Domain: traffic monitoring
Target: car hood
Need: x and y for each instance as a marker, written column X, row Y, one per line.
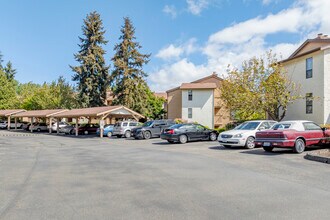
column 243, row 132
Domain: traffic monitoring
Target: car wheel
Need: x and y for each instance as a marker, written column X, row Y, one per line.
column 249, row 143
column 170, row 141
column 38, row 130
column 299, row 146
column 71, row 131
column 86, row 132
column 268, row 149
column 147, row 135
column 109, row 134
column 127, row 134
column 227, row 146
column 183, row 139
column 213, row 136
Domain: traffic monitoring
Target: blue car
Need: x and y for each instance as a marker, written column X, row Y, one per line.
column 107, row 131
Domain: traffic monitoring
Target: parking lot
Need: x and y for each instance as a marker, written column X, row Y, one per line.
column 46, row 176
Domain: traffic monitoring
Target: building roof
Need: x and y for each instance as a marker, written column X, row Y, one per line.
column 309, row 46
column 9, row 112
column 161, row 95
column 95, row 112
column 212, row 76
column 40, row 113
column 198, row 86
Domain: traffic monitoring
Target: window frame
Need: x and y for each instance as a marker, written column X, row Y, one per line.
column 190, row 113
column 190, row 95
column 309, row 70
column 309, row 103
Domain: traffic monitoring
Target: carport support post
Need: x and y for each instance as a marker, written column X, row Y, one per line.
column 8, row 126
column 50, row 125
column 15, row 123
column 57, row 125
column 31, row 129
column 101, row 128
column 77, row 126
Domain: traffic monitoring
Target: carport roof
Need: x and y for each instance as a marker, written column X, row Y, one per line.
column 40, row 113
column 10, row 112
column 95, row 112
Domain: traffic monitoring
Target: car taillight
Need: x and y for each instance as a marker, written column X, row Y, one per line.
column 171, row 131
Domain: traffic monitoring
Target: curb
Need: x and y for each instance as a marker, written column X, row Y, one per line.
column 318, row 156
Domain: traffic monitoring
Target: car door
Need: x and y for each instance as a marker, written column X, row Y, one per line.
column 201, row 132
column 190, row 130
column 313, row 133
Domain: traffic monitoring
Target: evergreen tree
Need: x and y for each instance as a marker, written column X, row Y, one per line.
column 10, row 71
column 93, row 74
column 1, row 60
column 7, row 92
column 128, row 78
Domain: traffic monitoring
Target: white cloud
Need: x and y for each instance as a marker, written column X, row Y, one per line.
column 171, row 10
column 241, row 41
column 175, row 52
column 196, row 6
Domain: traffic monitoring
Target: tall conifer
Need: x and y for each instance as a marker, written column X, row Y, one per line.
column 128, row 78
column 92, row 74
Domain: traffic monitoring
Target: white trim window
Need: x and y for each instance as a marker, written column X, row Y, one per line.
column 190, row 113
column 309, row 67
column 309, row 103
column 190, row 95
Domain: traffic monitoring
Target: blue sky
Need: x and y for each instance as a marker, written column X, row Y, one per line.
column 188, row 39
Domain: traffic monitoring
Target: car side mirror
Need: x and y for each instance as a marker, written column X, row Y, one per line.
column 324, row 129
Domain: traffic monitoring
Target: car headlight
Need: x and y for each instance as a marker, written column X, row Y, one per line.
column 237, row 136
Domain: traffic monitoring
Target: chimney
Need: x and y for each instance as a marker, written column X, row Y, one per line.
column 319, row 35
column 322, row 36
column 214, row 73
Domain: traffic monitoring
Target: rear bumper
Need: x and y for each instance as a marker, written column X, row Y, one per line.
column 274, row 143
column 169, row 137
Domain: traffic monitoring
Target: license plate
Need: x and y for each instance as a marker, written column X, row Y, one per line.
column 266, row 144
column 224, row 141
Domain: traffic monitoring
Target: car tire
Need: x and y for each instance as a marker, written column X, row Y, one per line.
column 38, row 130
column 299, row 146
column 71, row 131
column 227, row 146
column 249, row 144
column 170, row 141
column 127, row 134
column 147, row 135
column 183, row 139
column 85, row 132
column 213, row 136
column 109, row 134
column 268, row 149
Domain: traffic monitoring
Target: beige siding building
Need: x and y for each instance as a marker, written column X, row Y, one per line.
column 309, row 66
column 198, row 101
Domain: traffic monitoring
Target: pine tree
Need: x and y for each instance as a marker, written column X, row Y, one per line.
column 10, row 71
column 128, row 78
column 93, row 74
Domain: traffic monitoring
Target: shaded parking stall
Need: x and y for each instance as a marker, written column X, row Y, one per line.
column 47, row 115
column 98, row 113
column 8, row 114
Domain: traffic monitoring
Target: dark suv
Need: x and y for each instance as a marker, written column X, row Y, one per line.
column 151, row 129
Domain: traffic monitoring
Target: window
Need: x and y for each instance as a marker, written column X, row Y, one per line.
column 125, row 124
column 132, row 124
column 189, row 95
column 280, row 126
column 309, row 103
column 309, row 67
column 310, row 126
column 189, row 112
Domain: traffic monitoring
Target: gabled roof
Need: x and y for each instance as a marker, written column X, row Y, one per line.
column 40, row 113
column 198, row 86
column 9, row 112
column 213, row 75
column 95, row 112
column 310, row 46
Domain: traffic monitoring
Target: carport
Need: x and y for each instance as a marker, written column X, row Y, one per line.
column 41, row 114
column 100, row 113
column 9, row 113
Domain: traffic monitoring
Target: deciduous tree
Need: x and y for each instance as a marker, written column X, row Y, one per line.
column 260, row 87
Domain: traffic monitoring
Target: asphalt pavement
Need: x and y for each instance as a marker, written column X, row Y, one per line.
column 63, row 177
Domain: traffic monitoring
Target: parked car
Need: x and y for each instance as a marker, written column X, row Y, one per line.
column 68, row 129
column 107, row 131
column 124, row 128
column 188, row 132
column 4, row 124
column 244, row 134
column 60, row 125
column 292, row 134
column 86, row 129
column 39, row 127
column 151, row 129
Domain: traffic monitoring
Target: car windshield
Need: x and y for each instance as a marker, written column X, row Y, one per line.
column 281, row 126
column 248, row 126
column 118, row 124
column 147, row 124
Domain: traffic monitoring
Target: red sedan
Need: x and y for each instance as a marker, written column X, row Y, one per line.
column 292, row 134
